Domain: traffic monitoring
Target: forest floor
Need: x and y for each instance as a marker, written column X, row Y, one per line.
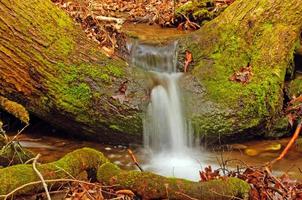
column 102, row 19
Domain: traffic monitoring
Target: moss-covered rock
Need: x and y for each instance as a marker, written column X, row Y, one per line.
column 62, row 77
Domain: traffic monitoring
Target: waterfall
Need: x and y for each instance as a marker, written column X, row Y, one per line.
column 166, row 131
column 164, row 125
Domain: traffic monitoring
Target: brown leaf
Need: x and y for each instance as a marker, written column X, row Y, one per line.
column 189, row 59
column 125, row 192
column 244, row 75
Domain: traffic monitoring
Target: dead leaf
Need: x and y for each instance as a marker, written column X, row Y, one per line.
column 189, row 59
column 125, row 192
column 243, row 76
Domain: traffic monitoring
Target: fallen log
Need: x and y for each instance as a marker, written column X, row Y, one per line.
column 71, row 165
column 152, row 186
column 240, row 62
column 144, row 184
column 48, row 65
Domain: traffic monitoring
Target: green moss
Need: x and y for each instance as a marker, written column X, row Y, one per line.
column 107, row 171
column 72, row 164
column 153, row 186
column 115, row 127
column 73, row 86
column 199, row 10
column 58, row 42
column 224, row 46
column 105, row 78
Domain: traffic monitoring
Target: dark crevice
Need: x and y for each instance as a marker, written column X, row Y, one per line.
column 298, row 63
column 286, row 97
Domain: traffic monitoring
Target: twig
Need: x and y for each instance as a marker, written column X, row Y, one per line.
column 290, row 144
column 19, row 132
column 224, row 195
column 134, row 160
column 110, row 19
column 266, row 169
column 41, row 177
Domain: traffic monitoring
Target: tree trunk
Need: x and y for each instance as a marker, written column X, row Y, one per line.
column 48, row 65
column 241, row 60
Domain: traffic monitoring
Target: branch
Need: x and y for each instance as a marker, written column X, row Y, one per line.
column 40, row 176
column 290, row 144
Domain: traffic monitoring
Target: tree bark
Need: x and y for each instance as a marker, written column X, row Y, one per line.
column 258, row 35
column 49, row 65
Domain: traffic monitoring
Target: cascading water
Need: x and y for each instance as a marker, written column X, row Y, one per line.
column 167, row 134
column 164, row 125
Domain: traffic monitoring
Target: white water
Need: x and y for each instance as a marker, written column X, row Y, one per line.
column 167, row 134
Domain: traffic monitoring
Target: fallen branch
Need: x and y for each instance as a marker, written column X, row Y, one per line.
column 74, row 163
column 289, row 145
column 134, row 160
column 110, row 19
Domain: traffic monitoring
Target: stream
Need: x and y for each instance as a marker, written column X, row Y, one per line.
column 52, row 147
column 168, row 147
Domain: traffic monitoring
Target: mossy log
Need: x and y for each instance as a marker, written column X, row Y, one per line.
column 50, row 67
column 151, row 186
column 73, row 164
column 146, row 185
column 260, row 35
